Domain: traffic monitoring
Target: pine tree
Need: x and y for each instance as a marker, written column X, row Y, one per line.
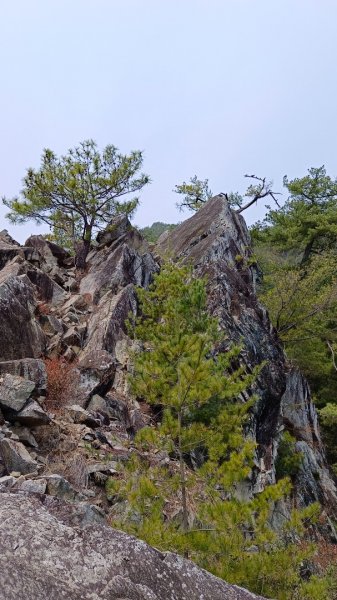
column 178, row 371
column 78, row 193
column 183, row 487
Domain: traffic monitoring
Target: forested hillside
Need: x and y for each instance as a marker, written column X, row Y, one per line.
column 154, row 231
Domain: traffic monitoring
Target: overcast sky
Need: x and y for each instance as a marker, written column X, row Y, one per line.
column 216, row 88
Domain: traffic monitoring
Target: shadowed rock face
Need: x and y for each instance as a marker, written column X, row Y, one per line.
column 299, row 415
column 53, row 255
column 20, row 333
column 51, row 552
column 9, row 249
column 216, row 242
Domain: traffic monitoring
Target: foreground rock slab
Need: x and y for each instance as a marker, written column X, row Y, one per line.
column 45, row 552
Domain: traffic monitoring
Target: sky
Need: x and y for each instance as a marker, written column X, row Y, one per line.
column 216, row 88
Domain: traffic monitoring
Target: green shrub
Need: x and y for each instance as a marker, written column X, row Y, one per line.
column 288, row 459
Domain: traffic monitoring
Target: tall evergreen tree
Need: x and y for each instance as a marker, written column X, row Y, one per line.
column 179, row 372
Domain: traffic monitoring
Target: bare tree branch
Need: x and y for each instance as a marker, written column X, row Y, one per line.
column 261, row 190
column 333, row 356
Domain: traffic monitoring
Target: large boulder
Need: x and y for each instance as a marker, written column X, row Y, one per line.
column 107, row 324
column 116, row 229
column 9, row 249
column 47, row 288
column 30, row 368
column 32, row 415
column 46, row 551
column 14, row 392
column 106, row 328
column 15, row 457
column 126, row 260
column 52, row 254
column 7, row 239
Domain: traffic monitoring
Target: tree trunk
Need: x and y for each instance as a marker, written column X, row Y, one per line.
column 81, row 252
column 307, row 252
column 182, row 481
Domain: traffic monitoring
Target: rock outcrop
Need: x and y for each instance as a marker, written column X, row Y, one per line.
column 216, row 241
column 84, row 319
column 20, row 333
column 49, row 549
column 48, row 311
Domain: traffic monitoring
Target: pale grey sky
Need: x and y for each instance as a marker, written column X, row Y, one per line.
column 216, row 88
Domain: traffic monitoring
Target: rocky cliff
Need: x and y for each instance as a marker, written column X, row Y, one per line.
column 66, row 424
column 216, row 241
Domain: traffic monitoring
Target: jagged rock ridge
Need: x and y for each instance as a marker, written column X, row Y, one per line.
column 48, row 310
column 216, row 241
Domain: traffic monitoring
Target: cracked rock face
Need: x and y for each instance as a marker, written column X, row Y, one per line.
column 21, row 335
column 50, row 553
column 299, row 415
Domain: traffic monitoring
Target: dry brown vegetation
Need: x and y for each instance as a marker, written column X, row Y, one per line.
column 63, row 384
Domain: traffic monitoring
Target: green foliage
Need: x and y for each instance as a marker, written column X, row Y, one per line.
column 195, row 193
column 202, row 512
column 153, row 232
column 307, row 223
column 177, row 370
column 79, row 192
column 296, row 248
column 329, row 414
column 328, row 418
column 234, row 199
column 238, row 544
column 289, row 459
column 301, row 300
column 228, row 535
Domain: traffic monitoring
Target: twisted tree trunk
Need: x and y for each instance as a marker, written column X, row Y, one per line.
column 82, row 248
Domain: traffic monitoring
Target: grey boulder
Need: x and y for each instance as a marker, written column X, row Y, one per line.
column 47, row 552
column 15, row 457
column 15, row 391
column 32, row 414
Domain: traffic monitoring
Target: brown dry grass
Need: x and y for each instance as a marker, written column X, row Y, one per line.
column 63, row 384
